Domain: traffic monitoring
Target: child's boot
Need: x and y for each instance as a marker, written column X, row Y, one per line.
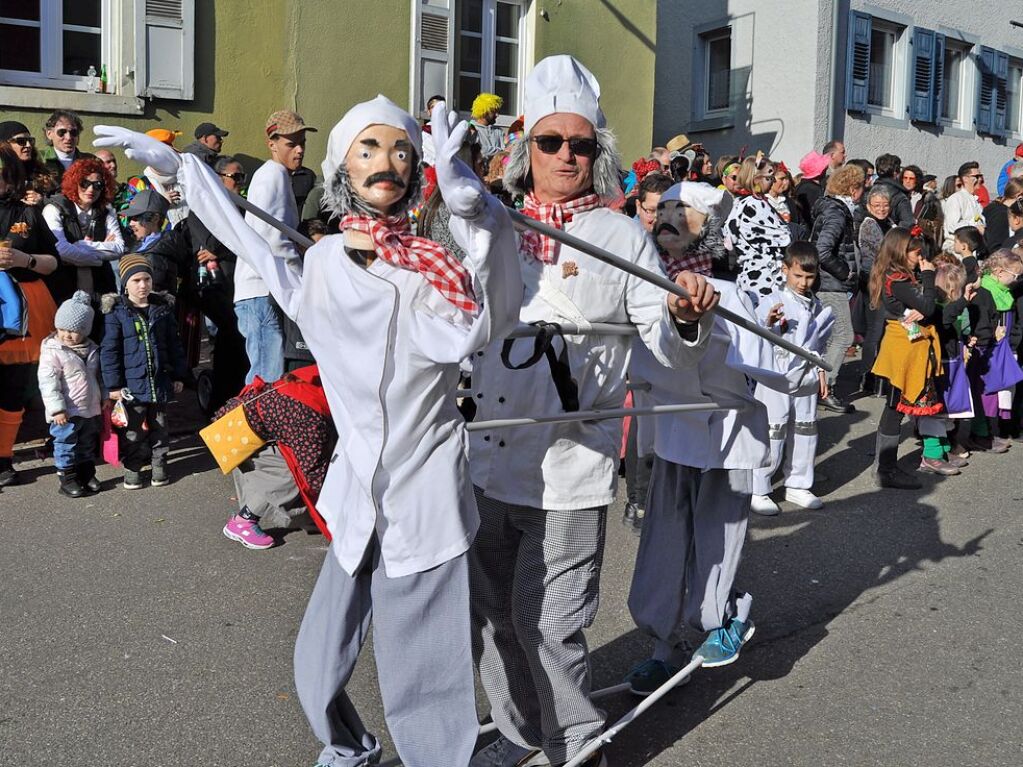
column 69, row 483
column 160, row 474
column 132, row 480
column 87, row 477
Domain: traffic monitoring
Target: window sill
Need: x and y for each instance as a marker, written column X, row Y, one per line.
column 78, row 101
column 713, row 122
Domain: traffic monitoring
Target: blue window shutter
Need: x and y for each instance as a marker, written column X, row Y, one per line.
column 986, row 90
column 1001, row 77
column 939, row 72
column 921, row 100
column 858, row 66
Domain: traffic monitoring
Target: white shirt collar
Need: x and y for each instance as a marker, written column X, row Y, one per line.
column 65, row 159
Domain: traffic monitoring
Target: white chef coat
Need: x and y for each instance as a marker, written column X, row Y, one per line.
column 734, row 360
column 388, row 348
column 572, row 465
column 270, row 189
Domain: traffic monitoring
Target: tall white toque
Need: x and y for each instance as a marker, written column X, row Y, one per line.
column 379, row 111
column 561, row 84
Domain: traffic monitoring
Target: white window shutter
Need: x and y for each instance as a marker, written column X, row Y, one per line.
column 434, row 44
column 165, row 49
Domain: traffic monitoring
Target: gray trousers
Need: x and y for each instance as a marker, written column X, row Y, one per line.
column 535, row 584
column 842, row 334
column 689, row 552
column 421, row 640
column 265, row 485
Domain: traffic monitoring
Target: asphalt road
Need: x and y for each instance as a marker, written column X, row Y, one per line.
column 133, row 634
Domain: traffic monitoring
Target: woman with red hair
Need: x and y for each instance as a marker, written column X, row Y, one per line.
column 83, row 220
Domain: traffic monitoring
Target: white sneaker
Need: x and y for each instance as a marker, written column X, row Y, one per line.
column 763, row 505
column 803, row 498
column 503, row 753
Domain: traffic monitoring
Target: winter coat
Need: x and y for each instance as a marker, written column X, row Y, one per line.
column 67, row 382
column 836, row 245
column 203, row 152
column 144, row 356
column 806, row 194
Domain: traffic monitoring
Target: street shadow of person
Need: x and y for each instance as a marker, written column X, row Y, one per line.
column 811, row 567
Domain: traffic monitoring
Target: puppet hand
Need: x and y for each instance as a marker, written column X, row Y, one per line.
column 139, row 147
column 461, row 189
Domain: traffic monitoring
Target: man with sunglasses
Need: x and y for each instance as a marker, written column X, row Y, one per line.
column 209, row 140
column 963, row 208
column 543, row 492
column 63, row 129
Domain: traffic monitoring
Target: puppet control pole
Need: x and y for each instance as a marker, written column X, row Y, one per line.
column 599, row 415
column 525, row 222
column 600, row 254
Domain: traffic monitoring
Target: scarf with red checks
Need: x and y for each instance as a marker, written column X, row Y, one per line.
column 557, row 214
column 394, row 242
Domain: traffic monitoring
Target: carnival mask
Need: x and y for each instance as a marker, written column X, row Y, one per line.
column 380, row 166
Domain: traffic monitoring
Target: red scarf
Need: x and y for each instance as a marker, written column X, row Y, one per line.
column 394, row 242
column 556, row 214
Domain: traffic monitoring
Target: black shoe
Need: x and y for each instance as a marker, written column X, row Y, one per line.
column 8, row 476
column 87, row 477
column 69, row 484
column 835, row 404
column 896, row 480
column 633, row 517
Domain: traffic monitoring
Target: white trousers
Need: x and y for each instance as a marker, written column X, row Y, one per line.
column 793, row 431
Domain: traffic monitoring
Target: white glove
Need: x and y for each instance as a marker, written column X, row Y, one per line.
column 139, row 147
column 461, row 189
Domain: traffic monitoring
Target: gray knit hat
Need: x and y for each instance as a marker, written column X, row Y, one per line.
column 75, row 314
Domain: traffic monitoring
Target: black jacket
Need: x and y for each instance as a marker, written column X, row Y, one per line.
column 902, row 209
column 996, row 226
column 832, row 234
column 203, row 152
column 805, row 195
column 985, row 317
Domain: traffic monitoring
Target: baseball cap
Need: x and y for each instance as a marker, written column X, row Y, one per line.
column 284, row 123
column 209, row 129
column 146, row 201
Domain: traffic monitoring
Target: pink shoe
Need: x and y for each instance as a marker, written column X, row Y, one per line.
column 247, row 532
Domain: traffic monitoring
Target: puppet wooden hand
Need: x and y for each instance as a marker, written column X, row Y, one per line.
column 461, row 189
column 139, row 147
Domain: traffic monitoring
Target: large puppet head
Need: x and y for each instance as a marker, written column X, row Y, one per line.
column 372, row 164
column 687, row 213
column 568, row 151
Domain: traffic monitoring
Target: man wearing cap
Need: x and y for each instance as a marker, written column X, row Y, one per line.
column 389, row 317
column 543, row 491
column 271, row 190
column 209, row 140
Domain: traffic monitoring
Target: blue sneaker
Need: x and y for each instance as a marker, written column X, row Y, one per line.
column 649, row 675
column 722, row 645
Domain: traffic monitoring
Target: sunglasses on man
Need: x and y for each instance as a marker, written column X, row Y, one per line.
column 238, row 178
column 583, row 147
column 62, row 132
column 24, row 140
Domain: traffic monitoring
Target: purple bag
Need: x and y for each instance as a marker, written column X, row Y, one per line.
column 958, row 397
column 1002, row 370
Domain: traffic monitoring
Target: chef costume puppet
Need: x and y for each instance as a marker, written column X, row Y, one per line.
column 388, row 317
column 690, row 217
column 792, row 420
column 543, row 490
column 700, row 486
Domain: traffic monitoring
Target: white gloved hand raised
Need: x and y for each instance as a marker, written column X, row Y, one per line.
column 139, row 147
column 461, row 189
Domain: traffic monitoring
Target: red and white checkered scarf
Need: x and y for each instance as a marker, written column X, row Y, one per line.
column 394, row 242
column 557, row 214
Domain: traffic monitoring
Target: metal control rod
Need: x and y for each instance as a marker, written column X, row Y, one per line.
column 599, row 415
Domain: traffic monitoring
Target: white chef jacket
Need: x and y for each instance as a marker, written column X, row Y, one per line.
column 271, row 190
column 388, row 348
column 572, row 465
column 734, row 362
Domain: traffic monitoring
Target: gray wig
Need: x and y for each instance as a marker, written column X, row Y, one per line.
column 518, row 178
column 340, row 197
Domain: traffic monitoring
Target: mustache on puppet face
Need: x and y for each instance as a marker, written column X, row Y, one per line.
column 387, row 175
column 666, row 228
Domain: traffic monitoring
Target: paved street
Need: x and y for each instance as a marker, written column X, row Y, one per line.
column 132, row 633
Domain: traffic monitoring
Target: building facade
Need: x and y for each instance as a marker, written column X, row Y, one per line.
column 177, row 63
column 935, row 83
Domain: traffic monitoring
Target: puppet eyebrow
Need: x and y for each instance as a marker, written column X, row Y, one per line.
column 371, row 142
column 402, row 144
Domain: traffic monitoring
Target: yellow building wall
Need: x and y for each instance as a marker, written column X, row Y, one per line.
column 616, row 40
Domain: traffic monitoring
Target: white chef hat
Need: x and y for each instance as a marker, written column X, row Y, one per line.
column 561, row 84
column 703, row 198
column 379, row 111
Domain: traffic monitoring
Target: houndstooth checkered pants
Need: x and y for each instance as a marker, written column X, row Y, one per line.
column 534, row 581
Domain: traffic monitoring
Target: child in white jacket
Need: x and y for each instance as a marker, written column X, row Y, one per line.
column 70, row 387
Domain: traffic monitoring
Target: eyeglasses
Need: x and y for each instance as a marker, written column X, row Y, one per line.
column 64, row 131
column 979, row 176
column 238, row 178
column 24, row 140
column 649, row 211
column 584, row 147
column 87, row 184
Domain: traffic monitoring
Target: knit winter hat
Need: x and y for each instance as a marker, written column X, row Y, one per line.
column 75, row 314
column 133, row 264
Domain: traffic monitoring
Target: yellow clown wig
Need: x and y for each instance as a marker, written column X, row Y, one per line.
column 486, row 103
